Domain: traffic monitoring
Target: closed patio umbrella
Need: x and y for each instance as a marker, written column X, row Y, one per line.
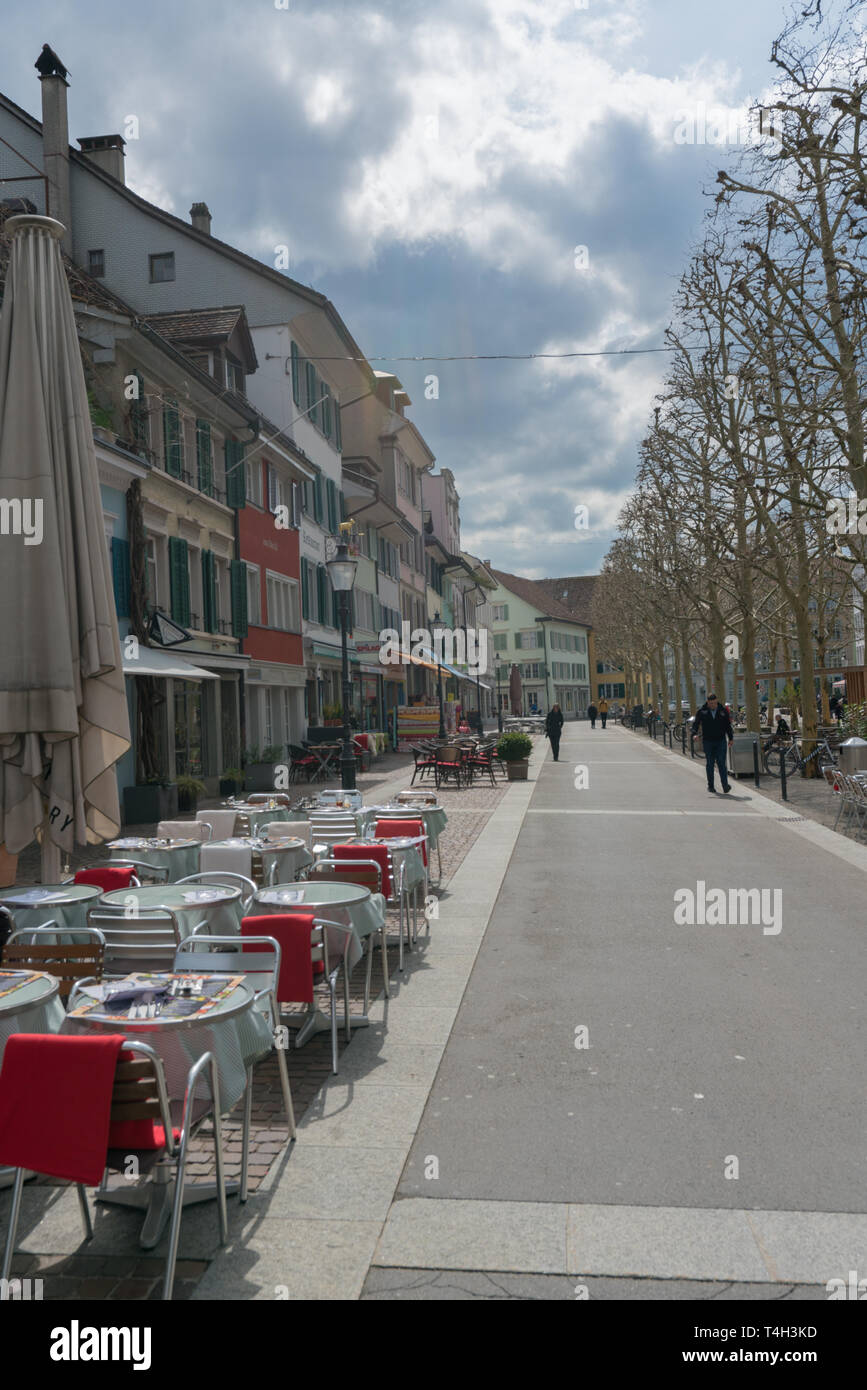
column 63, row 710
column 515, row 689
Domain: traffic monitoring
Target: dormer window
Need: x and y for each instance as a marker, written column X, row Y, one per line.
column 234, row 374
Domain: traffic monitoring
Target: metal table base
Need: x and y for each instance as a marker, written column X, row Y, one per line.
column 155, row 1198
column 313, row 1021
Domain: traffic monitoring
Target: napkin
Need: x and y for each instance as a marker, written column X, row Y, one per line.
column 134, row 994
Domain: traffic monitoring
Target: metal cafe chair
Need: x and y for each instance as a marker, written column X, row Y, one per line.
column 139, row 1098
column 330, row 827
column 392, row 889
column 30, row 949
column 146, row 942
column 366, row 873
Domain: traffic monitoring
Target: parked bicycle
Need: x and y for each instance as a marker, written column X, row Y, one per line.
column 775, row 752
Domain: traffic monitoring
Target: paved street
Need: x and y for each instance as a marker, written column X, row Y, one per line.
column 707, row 1043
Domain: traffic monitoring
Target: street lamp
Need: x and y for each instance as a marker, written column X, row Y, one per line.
column 437, row 631
column 342, row 569
column 499, row 698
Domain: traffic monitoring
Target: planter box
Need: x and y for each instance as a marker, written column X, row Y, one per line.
column 149, row 804
column 187, row 804
column 517, row 771
column 259, row 777
column 229, row 787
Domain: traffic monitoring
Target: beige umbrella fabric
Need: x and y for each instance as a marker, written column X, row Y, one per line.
column 63, row 710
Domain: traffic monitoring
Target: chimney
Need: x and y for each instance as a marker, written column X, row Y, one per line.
column 55, row 151
column 201, row 218
column 106, row 151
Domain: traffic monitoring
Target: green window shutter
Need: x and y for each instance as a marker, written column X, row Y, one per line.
column 172, row 439
column 335, row 610
column 317, row 498
column 338, row 433
column 120, row 576
column 239, row 598
column 312, row 392
column 209, row 590
column 203, row 457
column 305, row 590
column 322, row 587
column 296, row 375
column 179, row 576
column 325, row 410
column 236, row 474
column 342, row 498
column 331, row 499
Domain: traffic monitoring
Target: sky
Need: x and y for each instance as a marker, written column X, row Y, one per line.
column 466, row 178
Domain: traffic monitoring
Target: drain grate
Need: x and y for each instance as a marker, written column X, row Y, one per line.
column 788, row 820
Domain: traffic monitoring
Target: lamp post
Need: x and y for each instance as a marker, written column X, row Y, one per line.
column 342, row 570
column 499, row 699
column 437, row 631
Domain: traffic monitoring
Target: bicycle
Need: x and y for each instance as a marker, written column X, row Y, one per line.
column 774, row 754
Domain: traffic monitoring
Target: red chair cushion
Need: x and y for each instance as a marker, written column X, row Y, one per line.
column 393, row 829
column 297, row 969
column 368, row 851
column 139, row 1134
column 55, row 1103
column 107, row 879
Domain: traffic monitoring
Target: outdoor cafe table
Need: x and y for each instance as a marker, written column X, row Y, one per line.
column 362, row 912
column 259, row 815
column 180, row 857
column 226, row 1026
column 66, row 903
column 286, row 857
column 217, row 904
column 326, row 755
column 29, row 1003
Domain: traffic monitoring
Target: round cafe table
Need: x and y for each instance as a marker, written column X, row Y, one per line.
column 362, row 912
column 434, row 819
column 231, row 1029
column 180, row 857
column 66, row 903
column 192, row 903
column 283, row 860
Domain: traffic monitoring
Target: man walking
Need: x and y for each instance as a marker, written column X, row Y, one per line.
column 603, row 710
column 592, row 712
column 715, row 726
column 554, row 728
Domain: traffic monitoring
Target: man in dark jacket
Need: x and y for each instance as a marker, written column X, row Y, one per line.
column 592, row 712
column 554, row 728
column 715, row 726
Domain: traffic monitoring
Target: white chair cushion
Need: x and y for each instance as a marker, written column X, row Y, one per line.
column 236, row 859
column 222, row 823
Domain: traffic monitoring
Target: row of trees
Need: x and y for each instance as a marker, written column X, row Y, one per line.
column 734, row 541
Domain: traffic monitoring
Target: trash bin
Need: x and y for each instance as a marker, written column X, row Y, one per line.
column 853, row 755
column 741, row 754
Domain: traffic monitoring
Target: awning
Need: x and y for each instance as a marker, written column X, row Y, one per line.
column 153, row 662
column 452, row 670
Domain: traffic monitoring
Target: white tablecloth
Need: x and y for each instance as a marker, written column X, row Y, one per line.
column 64, row 903
column 346, row 903
column 191, row 903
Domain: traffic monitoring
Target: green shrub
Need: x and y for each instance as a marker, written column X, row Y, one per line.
column 513, row 747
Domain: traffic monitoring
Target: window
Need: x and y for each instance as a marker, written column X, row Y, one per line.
column 234, row 374
column 528, row 640
column 282, row 594
column 96, row 264
column 366, row 610
column 236, row 477
column 139, row 420
column 276, row 489
column 501, row 641
column 173, row 439
column 286, row 702
column 238, row 572
column 254, row 481
column 162, row 267
column 179, row 578
column 268, row 722
column 254, row 600
column 500, row 612
column 151, row 572
column 204, row 458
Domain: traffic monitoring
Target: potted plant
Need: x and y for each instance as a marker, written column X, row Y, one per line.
column 259, row 767
column 189, row 791
column 231, row 781
column 515, row 750
column 153, row 800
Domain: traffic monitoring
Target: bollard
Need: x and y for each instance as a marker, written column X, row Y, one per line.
column 756, row 761
column 783, row 776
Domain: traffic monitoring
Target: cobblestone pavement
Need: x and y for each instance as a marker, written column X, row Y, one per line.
column 135, row 1276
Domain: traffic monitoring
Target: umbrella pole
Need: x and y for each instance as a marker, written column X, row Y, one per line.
column 50, row 858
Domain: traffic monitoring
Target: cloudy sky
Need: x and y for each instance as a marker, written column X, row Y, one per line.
column 433, row 168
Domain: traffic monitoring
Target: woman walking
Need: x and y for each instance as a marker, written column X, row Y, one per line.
column 553, row 729
column 603, row 711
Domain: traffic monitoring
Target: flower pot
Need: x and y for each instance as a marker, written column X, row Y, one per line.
column 147, row 804
column 517, row 771
column 229, row 787
column 187, row 802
